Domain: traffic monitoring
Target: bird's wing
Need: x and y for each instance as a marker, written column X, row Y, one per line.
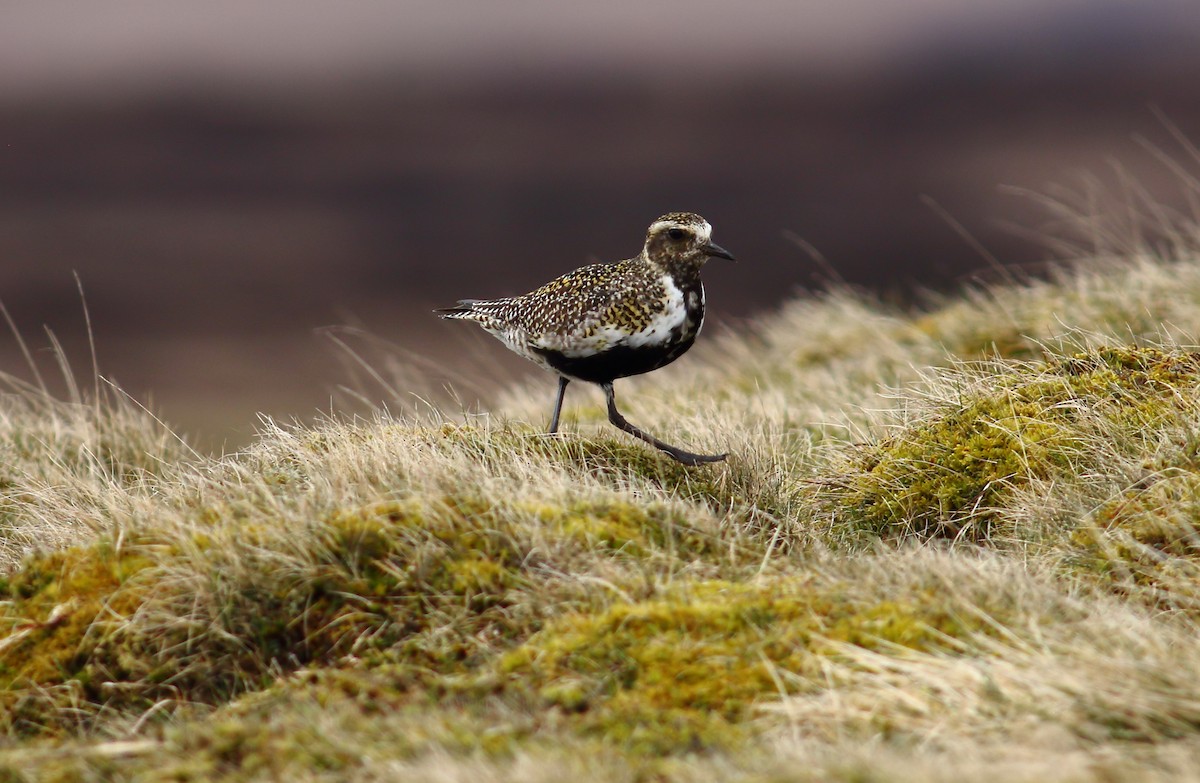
column 578, row 309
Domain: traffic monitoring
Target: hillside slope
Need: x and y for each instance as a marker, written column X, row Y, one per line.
column 946, row 545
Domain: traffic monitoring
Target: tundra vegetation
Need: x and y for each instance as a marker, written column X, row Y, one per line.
column 956, row 542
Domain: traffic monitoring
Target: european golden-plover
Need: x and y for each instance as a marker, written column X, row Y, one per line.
column 608, row 321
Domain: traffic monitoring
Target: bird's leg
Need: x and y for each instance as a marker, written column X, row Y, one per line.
column 562, row 390
column 679, row 455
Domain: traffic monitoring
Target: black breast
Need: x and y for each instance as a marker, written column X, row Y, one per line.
column 621, row 361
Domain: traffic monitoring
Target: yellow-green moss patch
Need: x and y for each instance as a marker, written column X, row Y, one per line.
column 946, row 473
column 441, row 585
column 685, row 671
column 62, row 620
column 638, row 531
column 1147, row 541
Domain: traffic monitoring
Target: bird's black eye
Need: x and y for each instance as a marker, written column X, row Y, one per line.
column 677, row 234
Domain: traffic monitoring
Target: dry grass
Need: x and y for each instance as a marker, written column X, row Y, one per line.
column 960, row 544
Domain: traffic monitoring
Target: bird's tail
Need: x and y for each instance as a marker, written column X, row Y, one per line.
column 464, row 309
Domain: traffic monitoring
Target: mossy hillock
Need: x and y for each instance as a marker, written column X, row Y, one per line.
column 440, row 586
column 948, row 472
column 62, row 614
column 687, row 669
column 950, row 544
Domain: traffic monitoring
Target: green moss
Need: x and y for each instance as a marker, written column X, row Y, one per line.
column 947, row 473
column 637, row 531
column 260, row 749
column 276, row 733
column 1146, row 541
column 438, row 586
column 685, row 672
column 463, row 547
column 62, row 618
column 383, row 577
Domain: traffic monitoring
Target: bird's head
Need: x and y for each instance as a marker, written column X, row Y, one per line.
column 682, row 239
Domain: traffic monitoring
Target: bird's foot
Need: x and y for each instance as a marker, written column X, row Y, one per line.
column 690, row 459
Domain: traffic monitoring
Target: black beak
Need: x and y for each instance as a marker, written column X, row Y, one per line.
column 714, row 250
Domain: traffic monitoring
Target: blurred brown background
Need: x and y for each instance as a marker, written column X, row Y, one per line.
column 227, row 178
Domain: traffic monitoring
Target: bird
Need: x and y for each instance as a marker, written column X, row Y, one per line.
column 607, row 321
